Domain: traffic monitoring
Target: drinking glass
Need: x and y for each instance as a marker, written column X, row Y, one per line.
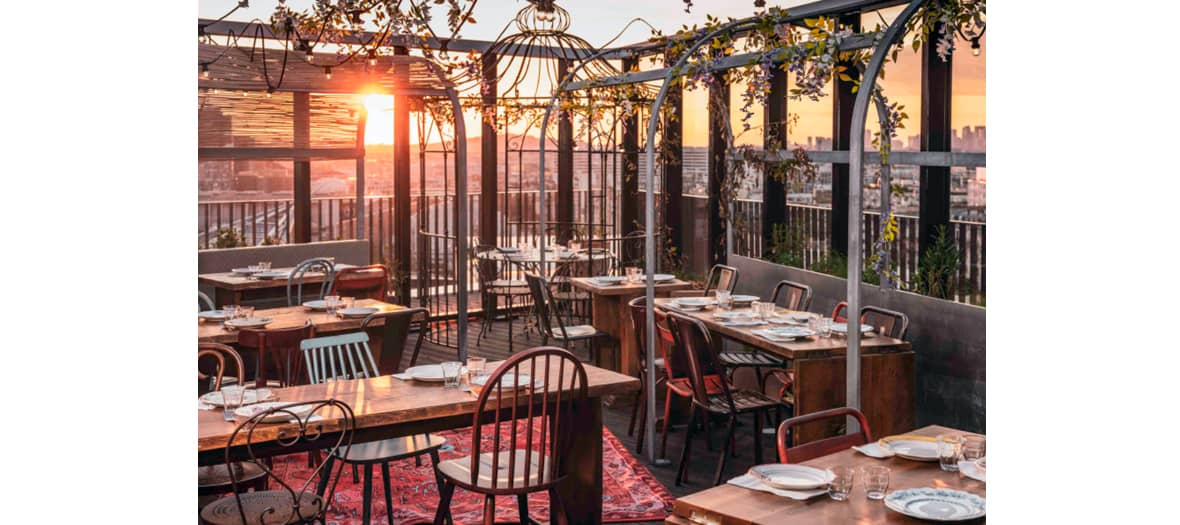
column 724, row 299
column 876, row 480
column 331, row 303
column 347, row 302
column 634, row 274
column 231, row 311
column 841, row 485
column 231, row 398
column 974, row 447
column 823, row 327
column 264, row 265
column 950, row 448
column 476, row 365
column 450, row 370
column 245, row 311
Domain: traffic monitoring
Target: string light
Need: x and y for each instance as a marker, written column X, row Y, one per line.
column 269, row 91
column 975, row 46
column 244, row 3
column 327, row 73
column 372, row 57
column 205, row 70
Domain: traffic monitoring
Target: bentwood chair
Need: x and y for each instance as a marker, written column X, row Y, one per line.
column 299, row 274
column 822, row 447
column 638, row 309
column 216, row 479
column 694, row 338
column 361, row 282
column 288, row 504
column 494, row 287
column 395, row 333
column 204, row 302
column 347, row 357
column 551, row 324
column 277, row 350
column 721, row 277
column 524, row 451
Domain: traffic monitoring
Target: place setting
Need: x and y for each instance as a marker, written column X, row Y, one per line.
column 237, row 317
column 635, row 275
column 251, row 270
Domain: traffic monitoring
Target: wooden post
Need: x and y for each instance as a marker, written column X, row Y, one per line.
column 401, row 190
column 565, row 167
column 301, row 223
column 842, row 101
column 629, row 186
column 718, row 115
column 488, row 137
column 671, row 157
column 934, row 182
column 774, row 126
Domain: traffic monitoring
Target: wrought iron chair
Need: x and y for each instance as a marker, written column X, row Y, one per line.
column 346, row 357
column 395, row 331
column 288, row 504
column 721, row 277
column 204, row 302
column 493, row 287
column 551, row 324
column 276, row 348
column 314, row 265
column 216, row 479
column 638, row 309
column 361, row 282
column 692, row 335
column 503, row 465
column 822, row 447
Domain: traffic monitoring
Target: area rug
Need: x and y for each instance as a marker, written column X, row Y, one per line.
column 630, row 492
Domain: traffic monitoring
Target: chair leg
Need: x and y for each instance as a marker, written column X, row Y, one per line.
column 356, row 477
column 667, row 423
column 708, row 432
column 489, row 510
column 388, row 493
column 445, row 491
column 729, row 431
column 559, row 516
column 325, row 474
column 635, row 409
column 758, row 436
column 441, row 483
column 367, row 498
column 682, row 472
column 510, row 324
column 522, row 506
column 642, row 418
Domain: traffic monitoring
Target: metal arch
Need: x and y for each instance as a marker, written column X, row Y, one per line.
column 856, row 152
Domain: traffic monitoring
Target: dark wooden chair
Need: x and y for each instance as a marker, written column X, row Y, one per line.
column 216, row 479
column 299, row 274
column 822, row 447
column 396, row 328
column 791, row 295
column 551, row 324
column 638, row 309
column 361, row 282
column 694, row 338
column 287, row 504
column 495, row 285
column 721, row 277
column 277, row 350
column 503, row 465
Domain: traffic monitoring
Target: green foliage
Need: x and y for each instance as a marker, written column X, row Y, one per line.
column 786, row 245
column 836, row 264
column 937, row 268
column 270, row 241
column 229, row 238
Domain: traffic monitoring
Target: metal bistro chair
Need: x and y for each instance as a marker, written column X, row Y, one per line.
column 276, row 348
column 204, row 303
column 288, row 504
column 216, row 479
column 822, row 447
column 493, row 287
column 361, row 282
column 553, row 327
column 678, row 383
column 346, row 357
column 789, row 295
column 297, row 276
column 694, row 338
column 528, row 458
column 395, row 331
column 721, row 277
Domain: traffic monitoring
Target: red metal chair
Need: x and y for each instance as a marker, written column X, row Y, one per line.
column 361, row 282
column 278, row 351
column 822, row 447
column 502, row 465
column 677, row 382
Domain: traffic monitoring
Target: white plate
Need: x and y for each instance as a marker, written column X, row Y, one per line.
column 212, row 315
column 248, row 411
column 778, row 319
column 318, row 304
column 359, row 311
column 249, row 322
column 272, row 275
column 792, row 477
column 245, row 271
column 780, row 334
column 608, row 279
column 912, row 449
column 697, row 302
column 842, row 328
column 799, row 318
column 936, row 504
column 742, row 299
column 733, row 316
column 427, row 373
column 981, row 464
column 972, row 470
column 507, row 380
column 249, row 397
column 663, row 277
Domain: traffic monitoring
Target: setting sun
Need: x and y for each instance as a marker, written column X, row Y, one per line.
column 379, row 127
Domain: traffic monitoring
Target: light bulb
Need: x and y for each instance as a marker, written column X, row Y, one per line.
column 327, row 73
column 975, row 46
column 205, row 70
column 372, row 58
column 269, row 92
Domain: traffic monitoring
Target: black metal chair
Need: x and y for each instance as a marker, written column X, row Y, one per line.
column 395, row 332
column 721, row 277
column 551, row 324
column 297, row 276
column 490, row 263
column 791, row 295
column 287, row 504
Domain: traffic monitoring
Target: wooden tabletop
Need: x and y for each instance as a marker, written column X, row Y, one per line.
column 386, row 401
column 233, row 281
column 800, row 348
column 291, row 316
column 731, row 504
column 626, row 288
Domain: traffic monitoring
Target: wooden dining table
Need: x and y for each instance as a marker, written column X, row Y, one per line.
column 293, row 316
column 231, row 288
column 386, row 407
column 609, row 313
column 734, row 505
column 888, row 395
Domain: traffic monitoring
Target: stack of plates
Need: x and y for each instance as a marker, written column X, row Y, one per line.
column 356, row 312
column 273, row 275
column 318, row 305
column 936, row 504
column 212, row 315
column 916, row 448
column 663, row 277
column 792, row 477
column 738, row 318
column 842, row 328
column 249, row 411
column 245, row 271
column 249, row 322
column 426, row 373
column 692, row 304
column 744, row 300
column 607, row 280
column 784, row 333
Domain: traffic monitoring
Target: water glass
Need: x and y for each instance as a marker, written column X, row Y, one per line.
column 450, row 371
column 476, row 365
column 245, row 311
column 231, row 398
column 634, row 274
column 331, row 303
column 764, row 310
column 724, row 299
column 822, row 326
column 841, row 485
column 231, row 311
column 876, row 480
column 950, row 449
column 264, row 266
column 347, row 302
column 974, row 447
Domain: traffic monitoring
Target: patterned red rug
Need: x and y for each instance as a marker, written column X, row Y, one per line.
column 630, row 492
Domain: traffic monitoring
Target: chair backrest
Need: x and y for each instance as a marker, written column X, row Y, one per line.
column 791, row 295
column 280, row 344
column 551, row 324
column 721, row 277
column 331, row 433
column 638, row 309
column 362, row 282
column 535, row 421
column 692, row 336
column 887, row 322
column 204, row 302
column 395, row 333
column 838, row 313
column 485, row 270
column 219, row 354
column 295, row 280
column 822, row 447
column 338, row 358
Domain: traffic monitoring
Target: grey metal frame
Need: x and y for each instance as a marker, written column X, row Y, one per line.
column 316, row 264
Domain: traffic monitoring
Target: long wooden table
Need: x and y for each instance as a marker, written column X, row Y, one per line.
column 231, row 288
column 386, row 407
column 292, row 316
column 608, row 308
column 887, row 374
column 733, row 505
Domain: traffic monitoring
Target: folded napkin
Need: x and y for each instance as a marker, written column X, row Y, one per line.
column 403, row 376
column 752, row 483
column 873, row 450
column 971, row 470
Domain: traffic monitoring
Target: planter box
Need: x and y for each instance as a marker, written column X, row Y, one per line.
column 949, row 338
